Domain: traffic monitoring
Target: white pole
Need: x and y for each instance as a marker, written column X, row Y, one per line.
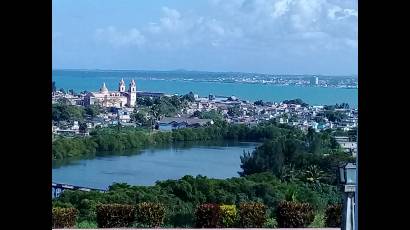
column 353, row 212
column 349, row 214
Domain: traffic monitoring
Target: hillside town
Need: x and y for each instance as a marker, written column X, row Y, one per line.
column 121, row 105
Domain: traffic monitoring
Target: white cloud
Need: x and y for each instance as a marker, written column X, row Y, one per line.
column 281, row 8
column 118, row 39
column 337, row 13
column 260, row 24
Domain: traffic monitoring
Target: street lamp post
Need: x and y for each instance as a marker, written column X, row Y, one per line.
column 348, row 179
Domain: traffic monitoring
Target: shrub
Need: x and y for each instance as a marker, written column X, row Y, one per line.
column 150, row 214
column 333, row 215
column 318, row 221
column 86, row 224
column 227, row 216
column 270, row 223
column 207, row 216
column 291, row 214
column 180, row 216
column 115, row 215
column 252, row 215
column 64, row 217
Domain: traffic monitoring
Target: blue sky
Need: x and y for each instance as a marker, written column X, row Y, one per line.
column 264, row 36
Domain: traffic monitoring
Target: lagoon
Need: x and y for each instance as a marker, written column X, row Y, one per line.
column 144, row 167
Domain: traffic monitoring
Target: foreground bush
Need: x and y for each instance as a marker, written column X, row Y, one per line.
column 270, row 223
column 227, row 216
column 333, row 215
column 291, row 214
column 207, row 216
column 252, row 215
column 115, row 215
column 64, row 217
column 86, row 224
column 150, row 214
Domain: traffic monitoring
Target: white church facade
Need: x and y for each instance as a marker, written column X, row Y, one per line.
column 118, row 99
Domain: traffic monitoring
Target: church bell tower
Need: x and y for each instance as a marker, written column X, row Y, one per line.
column 133, row 94
column 121, row 86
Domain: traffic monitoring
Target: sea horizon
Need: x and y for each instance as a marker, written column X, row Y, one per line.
column 206, row 71
column 203, row 84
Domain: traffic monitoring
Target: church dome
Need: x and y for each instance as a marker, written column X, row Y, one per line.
column 103, row 89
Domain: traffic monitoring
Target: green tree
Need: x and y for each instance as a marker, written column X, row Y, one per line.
column 313, row 174
column 83, row 127
column 64, row 112
column 189, row 97
column 93, row 110
column 297, row 101
column 268, row 157
column 139, row 117
column 197, row 113
column 259, row 102
column 214, row 115
column 234, row 111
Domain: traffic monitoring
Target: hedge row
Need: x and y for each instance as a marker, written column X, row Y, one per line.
column 333, row 215
column 291, row 214
column 150, row 214
column 228, row 216
column 115, row 215
column 120, row 215
column 250, row 215
column 64, row 217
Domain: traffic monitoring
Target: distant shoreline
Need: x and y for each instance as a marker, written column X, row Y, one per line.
column 212, row 72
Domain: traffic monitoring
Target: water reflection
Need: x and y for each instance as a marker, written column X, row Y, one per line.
column 215, row 159
column 183, row 145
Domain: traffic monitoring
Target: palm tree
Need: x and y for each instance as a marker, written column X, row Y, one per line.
column 289, row 173
column 313, row 174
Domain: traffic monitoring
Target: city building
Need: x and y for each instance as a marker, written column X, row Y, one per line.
column 170, row 123
column 314, row 80
column 118, row 99
column 150, row 94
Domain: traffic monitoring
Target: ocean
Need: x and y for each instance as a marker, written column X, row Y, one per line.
column 201, row 83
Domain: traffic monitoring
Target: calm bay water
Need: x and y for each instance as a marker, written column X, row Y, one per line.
column 92, row 81
column 214, row 160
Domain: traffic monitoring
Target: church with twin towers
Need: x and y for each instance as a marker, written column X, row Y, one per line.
column 119, row 99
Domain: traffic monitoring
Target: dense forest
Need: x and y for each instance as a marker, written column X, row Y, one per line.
column 119, row 138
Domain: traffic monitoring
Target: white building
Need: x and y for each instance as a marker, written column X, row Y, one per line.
column 117, row 99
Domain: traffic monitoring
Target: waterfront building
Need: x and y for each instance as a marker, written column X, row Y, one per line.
column 314, row 81
column 118, row 99
column 170, row 123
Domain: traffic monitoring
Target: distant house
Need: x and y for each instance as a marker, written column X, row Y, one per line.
column 341, row 138
column 170, row 123
column 347, row 145
column 75, row 126
column 149, row 94
column 97, row 121
column 123, row 115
